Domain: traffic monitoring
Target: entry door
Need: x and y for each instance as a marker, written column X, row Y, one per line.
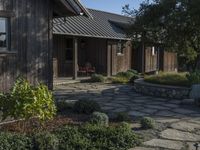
column 111, row 58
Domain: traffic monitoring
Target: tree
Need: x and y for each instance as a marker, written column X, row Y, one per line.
column 174, row 23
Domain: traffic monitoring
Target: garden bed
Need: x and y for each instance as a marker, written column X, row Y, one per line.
column 160, row 90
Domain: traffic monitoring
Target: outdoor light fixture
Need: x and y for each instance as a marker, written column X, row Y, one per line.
column 153, row 51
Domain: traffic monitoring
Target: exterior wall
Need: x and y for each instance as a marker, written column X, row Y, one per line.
column 119, row 62
column 168, row 61
column 31, row 47
column 151, row 61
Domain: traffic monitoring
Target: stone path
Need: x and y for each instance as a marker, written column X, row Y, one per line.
column 181, row 118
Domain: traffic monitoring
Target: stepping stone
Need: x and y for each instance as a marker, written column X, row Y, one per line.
column 137, row 113
column 183, row 111
column 176, row 145
column 157, row 107
column 161, row 120
column 142, row 148
column 166, row 113
column 190, row 146
column 149, row 111
column 185, row 126
column 173, row 134
column 171, row 105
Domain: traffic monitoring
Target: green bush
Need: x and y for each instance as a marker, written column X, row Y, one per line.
column 174, row 79
column 64, row 106
column 133, row 78
column 133, row 71
column 45, row 141
column 127, row 75
column 119, row 80
column 97, row 78
column 10, row 141
column 123, row 116
column 26, row 101
column 97, row 137
column 147, row 123
column 194, row 78
column 71, row 139
column 98, row 118
column 86, row 106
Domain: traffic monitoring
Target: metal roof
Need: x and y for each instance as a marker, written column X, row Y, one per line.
column 100, row 25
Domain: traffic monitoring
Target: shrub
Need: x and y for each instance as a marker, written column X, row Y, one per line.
column 147, row 123
column 45, row 141
column 123, row 116
column 194, row 78
column 86, row 106
column 126, row 75
column 119, row 80
column 97, row 78
column 10, row 141
column 71, row 139
column 176, row 79
column 64, row 106
column 98, row 118
column 133, row 78
column 110, row 138
column 26, row 101
column 133, row 71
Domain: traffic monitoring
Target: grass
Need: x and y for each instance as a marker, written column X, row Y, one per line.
column 174, row 79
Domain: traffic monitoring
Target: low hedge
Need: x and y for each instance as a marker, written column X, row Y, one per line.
column 83, row 137
column 174, row 79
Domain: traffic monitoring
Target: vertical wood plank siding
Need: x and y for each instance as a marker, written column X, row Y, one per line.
column 169, row 61
column 30, row 42
column 151, row 62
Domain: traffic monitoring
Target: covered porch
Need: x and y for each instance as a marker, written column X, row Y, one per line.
column 78, row 57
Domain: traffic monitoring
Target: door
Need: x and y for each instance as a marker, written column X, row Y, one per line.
column 112, row 59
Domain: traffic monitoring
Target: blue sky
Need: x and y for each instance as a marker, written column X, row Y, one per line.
column 114, row 6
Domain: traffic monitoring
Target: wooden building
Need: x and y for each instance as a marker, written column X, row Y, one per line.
column 99, row 40
column 26, row 38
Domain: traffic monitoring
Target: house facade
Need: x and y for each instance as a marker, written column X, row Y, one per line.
column 26, row 44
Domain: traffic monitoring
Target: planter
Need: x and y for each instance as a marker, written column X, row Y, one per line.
column 164, row 91
column 195, row 93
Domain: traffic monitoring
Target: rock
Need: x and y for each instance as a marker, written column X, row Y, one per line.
column 184, row 111
column 173, row 134
column 163, row 120
column 185, row 126
column 176, row 145
column 137, row 113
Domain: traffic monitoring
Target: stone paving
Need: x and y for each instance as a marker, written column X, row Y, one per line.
column 181, row 117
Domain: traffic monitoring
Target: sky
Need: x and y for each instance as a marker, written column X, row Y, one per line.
column 114, row 6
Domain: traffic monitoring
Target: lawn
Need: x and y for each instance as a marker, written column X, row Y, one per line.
column 174, row 79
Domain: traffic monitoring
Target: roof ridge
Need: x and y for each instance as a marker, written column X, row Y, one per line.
column 109, row 13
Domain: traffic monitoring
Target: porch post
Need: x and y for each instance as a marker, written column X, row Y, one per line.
column 75, row 58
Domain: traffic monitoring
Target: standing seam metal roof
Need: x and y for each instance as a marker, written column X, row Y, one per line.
column 100, row 25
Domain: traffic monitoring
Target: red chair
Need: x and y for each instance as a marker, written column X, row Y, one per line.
column 82, row 70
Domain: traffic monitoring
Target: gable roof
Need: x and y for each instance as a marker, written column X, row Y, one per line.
column 66, row 7
column 100, row 25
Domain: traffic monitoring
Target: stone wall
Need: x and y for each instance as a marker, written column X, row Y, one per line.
column 161, row 90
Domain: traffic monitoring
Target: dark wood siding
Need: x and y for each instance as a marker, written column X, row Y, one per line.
column 168, row 61
column 151, row 60
column 122, row 62
column 31, row 42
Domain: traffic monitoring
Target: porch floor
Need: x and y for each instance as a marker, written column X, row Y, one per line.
column 67, row 80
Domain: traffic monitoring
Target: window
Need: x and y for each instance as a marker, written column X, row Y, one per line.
column 4, row 36
column 120, row 48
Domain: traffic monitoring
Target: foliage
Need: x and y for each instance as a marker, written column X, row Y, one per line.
column 123, row 116
column 175, row 24
column 26, row 101
column 45, row 141
column 70, row 138
column 133, row 71
column 119, row 80
column 64, row 106
column 147, row 123
column 99, row 118
column 10, row 141
column 133, row 78
column 97, row 78
column 86, row 106
column 127, row 75
column 97, row 137
column 194, row 78
column 174, row 79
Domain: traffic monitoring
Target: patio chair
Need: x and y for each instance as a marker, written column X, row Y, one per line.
column 82, row 71
column 89, row 68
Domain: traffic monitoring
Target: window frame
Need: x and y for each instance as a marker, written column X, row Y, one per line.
column 7, row 34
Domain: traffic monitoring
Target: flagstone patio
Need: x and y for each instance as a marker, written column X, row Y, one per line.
column 181, row 118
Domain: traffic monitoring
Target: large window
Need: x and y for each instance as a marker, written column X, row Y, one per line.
column 4, row 33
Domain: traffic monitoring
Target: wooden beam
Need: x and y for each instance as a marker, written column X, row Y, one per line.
column 108, row 60
column 75, row 58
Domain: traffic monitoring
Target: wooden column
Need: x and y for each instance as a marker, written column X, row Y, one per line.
column 75, row 58
column 108, row 60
